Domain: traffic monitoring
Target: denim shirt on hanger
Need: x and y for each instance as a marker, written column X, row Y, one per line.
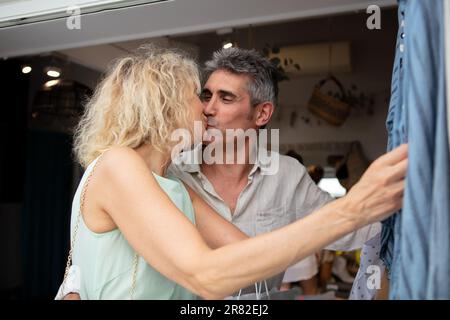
column 416, row 242
column 396, row 128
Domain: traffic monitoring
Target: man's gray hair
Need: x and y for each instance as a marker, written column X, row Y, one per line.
column 262, row 86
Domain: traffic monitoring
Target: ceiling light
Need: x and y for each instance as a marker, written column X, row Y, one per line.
column 26, row 69
column 227, row 45
column 53, row 72
column 51, row 83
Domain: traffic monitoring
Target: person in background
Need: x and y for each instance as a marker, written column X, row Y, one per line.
column 304, row 272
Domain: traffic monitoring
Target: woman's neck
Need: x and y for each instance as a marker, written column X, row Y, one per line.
column 156, row 161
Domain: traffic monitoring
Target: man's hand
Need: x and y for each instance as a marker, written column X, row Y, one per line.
column 379, row 192
column 72, row 296
column 70, row 287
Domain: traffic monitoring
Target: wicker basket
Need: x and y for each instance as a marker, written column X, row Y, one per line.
column 327, row 107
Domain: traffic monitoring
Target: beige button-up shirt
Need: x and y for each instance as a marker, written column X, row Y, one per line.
column 269, row 201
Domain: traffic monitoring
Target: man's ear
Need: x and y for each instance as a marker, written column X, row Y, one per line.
column 264, row 112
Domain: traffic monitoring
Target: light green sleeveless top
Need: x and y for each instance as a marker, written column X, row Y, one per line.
column 106, row 259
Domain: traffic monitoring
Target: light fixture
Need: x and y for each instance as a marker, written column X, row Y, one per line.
column 227, row 44
column 51, row 83
column 53, row 72
column 229, row 39
column 26, row 69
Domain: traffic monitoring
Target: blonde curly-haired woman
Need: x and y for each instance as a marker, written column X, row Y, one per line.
column 137, row 233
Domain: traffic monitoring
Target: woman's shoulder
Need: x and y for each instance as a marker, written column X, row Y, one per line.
column 122, row 164
column 118, row 154
column 120, row 158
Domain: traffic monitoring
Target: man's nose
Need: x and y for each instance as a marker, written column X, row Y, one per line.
column 209, row 107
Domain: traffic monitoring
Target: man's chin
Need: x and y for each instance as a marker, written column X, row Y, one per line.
column 212, row 141
column 193, row 146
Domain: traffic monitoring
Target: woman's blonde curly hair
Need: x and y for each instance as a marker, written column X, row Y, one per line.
column 142, row 99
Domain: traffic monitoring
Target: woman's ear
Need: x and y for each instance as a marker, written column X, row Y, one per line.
column 264, row 113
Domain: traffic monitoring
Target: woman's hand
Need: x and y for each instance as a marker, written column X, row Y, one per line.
column 379, row 192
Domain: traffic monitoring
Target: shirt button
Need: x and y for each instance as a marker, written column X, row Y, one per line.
column 401, row 47
column 402, row 35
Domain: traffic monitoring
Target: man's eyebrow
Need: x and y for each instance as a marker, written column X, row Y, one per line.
column 220, row 92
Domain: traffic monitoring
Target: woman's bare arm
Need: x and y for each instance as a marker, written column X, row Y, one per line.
column 169, row 242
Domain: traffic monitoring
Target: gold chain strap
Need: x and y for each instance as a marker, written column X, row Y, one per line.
column 75, row 232
column 133, row 279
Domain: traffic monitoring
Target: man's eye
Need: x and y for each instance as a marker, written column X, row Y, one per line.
column 205, row 97
column 227, row 99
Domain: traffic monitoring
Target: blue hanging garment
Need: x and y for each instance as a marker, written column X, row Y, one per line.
column 416, row 242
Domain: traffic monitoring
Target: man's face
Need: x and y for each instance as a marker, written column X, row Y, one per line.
column 226, row 102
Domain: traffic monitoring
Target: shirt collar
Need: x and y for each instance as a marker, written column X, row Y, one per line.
column 189, row 161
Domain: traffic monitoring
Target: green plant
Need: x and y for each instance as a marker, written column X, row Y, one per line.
column 270, row 52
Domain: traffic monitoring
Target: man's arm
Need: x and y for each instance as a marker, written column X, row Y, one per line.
column 215, row 230
column 72, row 296
column 70, row 288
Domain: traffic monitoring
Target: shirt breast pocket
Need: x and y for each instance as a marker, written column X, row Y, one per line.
column 273, row 218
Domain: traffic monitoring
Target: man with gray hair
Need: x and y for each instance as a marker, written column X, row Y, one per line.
column 240, row 92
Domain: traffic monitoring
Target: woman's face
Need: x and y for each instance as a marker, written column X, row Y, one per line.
column 199, row 119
